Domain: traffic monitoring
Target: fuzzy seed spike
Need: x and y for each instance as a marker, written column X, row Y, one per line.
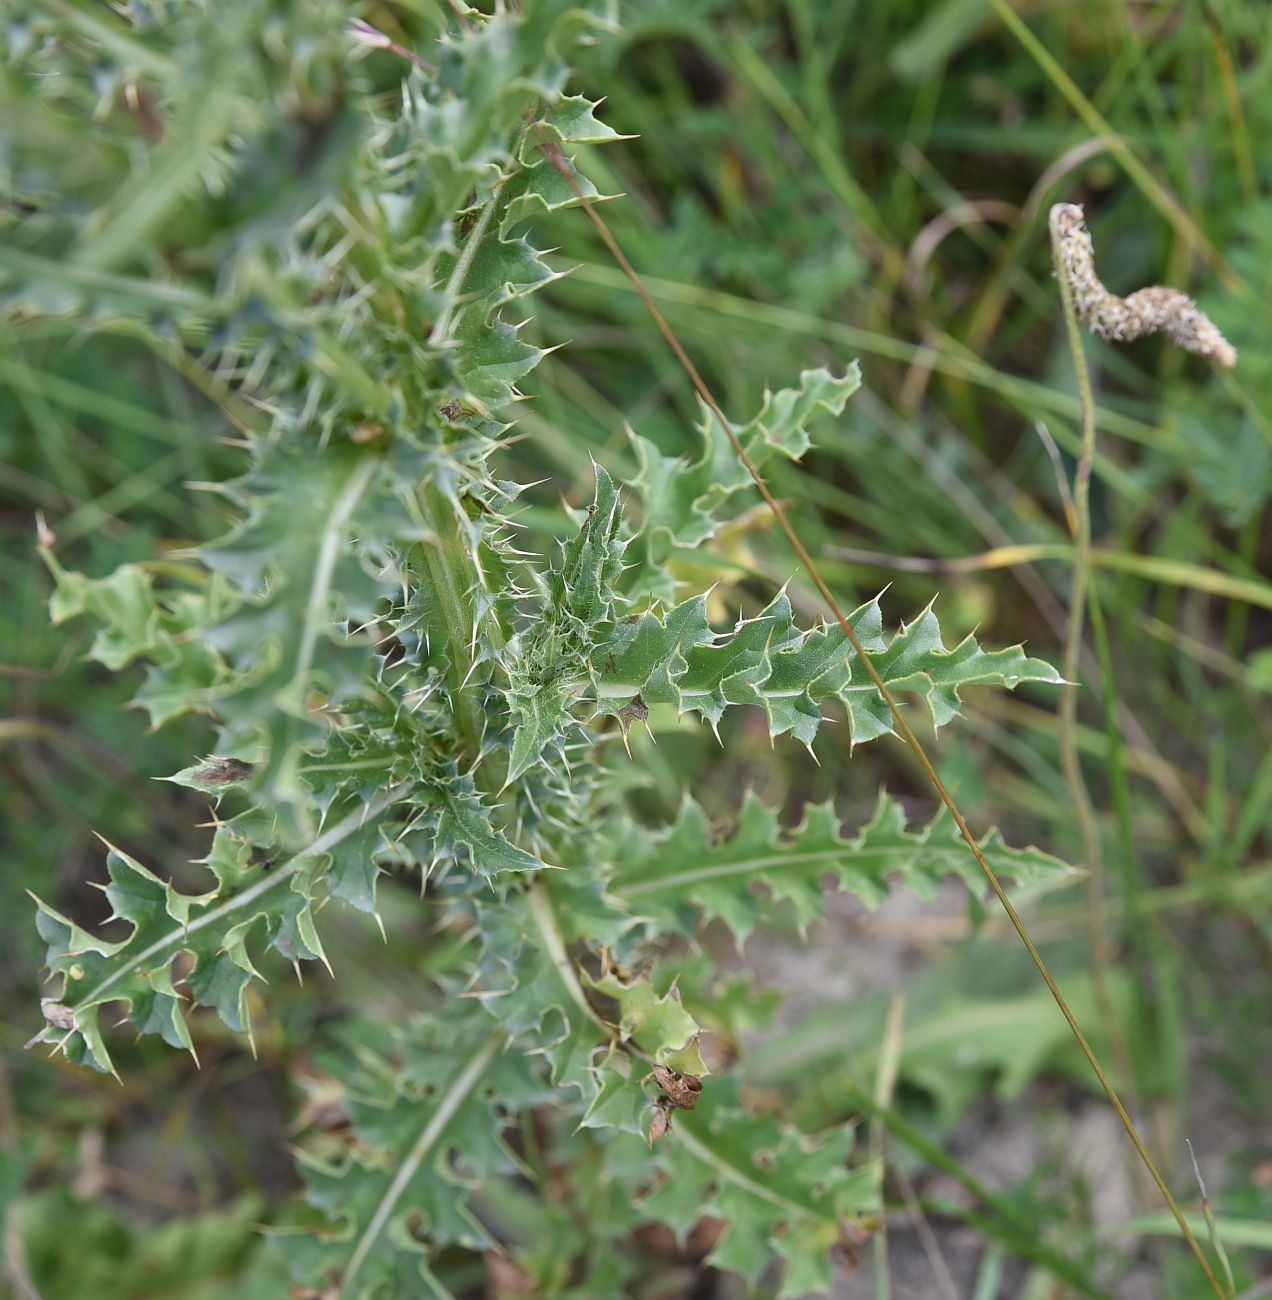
column 1156, row 309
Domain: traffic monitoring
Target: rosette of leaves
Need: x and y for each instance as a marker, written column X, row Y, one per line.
column 395, row 686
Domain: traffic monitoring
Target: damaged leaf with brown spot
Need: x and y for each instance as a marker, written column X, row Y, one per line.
column 682, row 1090
column 660, row 1124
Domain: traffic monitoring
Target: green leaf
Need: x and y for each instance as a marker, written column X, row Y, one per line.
column 464, row 831
column 539, row 186
column 581, row 588
column 165, row 627
column 573, row 120
column 579, row 598
column 678, row 659
column 123, row 605
column 301, row 582
column 659, row 1026
column 426, row 1103
column 782, row 1194
column 275, row 900
column 530, row 984
column 685, row 874
column 362, row 314
column 683, row 503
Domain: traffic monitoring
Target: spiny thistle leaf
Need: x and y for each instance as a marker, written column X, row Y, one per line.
column 257, row 898
column 539, row 186
column 227, row 90
column 380, row 660
column 213, row 928
column 544, row 680
column 581, row 590
column 134, row 621
column 683, row 503
column 530, row 984
column 780, row 1193
column 635, row 662
column 426, row 1105
column 277, row 637
column 682, row 874
column 767, row 661
column 464, row 832
column 573, row 120
column 658, row 1024
column 305, row 585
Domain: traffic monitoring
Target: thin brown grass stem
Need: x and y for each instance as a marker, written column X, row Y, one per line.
column 552, row 152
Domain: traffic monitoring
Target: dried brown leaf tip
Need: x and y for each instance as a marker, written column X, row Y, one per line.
column 683, row 1089
column 660, row 1124
column 1156, row 309
column 55, row 1014
column 679, row 1092
column 629, row 714
column 59, row 1016
column 222, row 771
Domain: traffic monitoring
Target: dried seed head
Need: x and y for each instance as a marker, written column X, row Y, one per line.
column 1146, row 311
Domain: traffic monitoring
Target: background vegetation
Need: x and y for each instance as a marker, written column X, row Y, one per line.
column 804, row 184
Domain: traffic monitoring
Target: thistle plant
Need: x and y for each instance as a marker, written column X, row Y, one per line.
column 401, row 688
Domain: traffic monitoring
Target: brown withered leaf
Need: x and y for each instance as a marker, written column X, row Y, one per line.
column 56, row 1014
column 682, row 1090
column 660, row 1124
column 223, row 771
column 636, row 711
column 854, row 1236
column 506, row 1278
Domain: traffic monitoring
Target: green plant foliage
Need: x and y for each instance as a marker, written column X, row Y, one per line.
column 767, row 661
column 682, row 874
column 530, row 985
column 960, row 1042
column 676, row 658
column 682, row 502
column 395, row 688
column 199, row 1257
column 424, row 1107
column 779, row 1192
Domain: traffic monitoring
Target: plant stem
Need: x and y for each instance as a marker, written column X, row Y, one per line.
column 1070, row 763
column 885, row 1082
column 447, row 572
column 439, row 335
column 1118, row 786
